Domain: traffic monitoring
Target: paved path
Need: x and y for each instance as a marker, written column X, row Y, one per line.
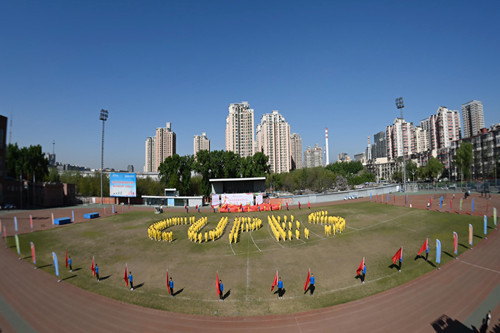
column 439, row 301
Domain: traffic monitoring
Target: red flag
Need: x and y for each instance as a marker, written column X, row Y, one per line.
column 308, row 279
column 398, row 256
column 360, row 268
column 93, row 266
column 168, row 287
column 66, row 258
column 275, row 282
column 455, row 242
column 217, row 285
column 424, row 247
column 125, row 276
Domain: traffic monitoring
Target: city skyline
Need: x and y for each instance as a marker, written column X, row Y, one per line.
column 335, row 65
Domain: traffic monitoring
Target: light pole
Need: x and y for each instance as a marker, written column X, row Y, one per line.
column 103, row 116
column 400, row 105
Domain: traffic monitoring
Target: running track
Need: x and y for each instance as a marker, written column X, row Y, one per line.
column 456, row 291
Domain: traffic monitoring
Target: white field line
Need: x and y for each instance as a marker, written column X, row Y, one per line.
column 254, row 242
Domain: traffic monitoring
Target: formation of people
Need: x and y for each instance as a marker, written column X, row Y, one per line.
column 332, row 224
column 283, row 230
column 243, row 224
column 157, row 231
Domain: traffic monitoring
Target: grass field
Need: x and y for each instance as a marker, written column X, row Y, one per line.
column 374, row 231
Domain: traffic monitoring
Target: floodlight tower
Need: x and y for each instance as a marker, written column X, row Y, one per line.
column 400, row 105
column 103, row 116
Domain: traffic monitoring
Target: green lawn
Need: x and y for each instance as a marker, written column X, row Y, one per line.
column 375, row 231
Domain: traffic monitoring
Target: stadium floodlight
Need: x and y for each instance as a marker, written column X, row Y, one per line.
column 400, row 105
column 102, row 116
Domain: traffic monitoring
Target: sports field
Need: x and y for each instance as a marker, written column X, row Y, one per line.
column 247, row 268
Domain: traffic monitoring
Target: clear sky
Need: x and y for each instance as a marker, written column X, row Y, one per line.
column 335, row 64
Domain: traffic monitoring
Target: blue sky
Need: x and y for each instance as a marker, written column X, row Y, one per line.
column 335, row 64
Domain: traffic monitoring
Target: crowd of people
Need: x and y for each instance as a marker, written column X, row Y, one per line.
column 243, row 224
column 332, row 224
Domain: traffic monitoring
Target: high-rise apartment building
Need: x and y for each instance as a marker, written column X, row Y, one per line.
column 273, row 139
column 239, row 129
column 313, row 157
column 421, row 140
column 442, row 128
column 201, row 142
column 296, row 151
column 150, row 155
column 400, row 139
column 159, row 147
column 473, row 117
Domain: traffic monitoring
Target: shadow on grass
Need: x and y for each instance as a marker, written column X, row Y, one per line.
column 477, row 236
column 77, row 269
column 464, row 246
column 445, row 324
column 105, row 277
column 139, row 285
column 69, row 277
column 391, row 266
column 226, row 295
column 449, row 254
column 26, row 257
column 43, row 266
column 431, row 263
column 178, row 292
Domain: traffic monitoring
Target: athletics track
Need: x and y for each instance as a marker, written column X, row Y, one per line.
column 453, row 299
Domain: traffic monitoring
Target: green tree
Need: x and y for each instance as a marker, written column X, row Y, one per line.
column 434, row 168
column 411, row 169
column 53, row 176
column 463, row 159
column 27, row 162
column 175, row 172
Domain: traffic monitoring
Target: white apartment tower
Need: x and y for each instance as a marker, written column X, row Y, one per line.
column 165, row 145
column 200, row 142
column 442, row 128
column 313, row 157
column 296, row 151
column 273, row 139
column 150, row 155
column 239, row 129
column 400, row 139
column 473, row 117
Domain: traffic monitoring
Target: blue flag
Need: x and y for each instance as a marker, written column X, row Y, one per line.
column 485, row 224
column 15, row 223
column 56, row 266
column 438, row 251
column 387, row 198
column 370, row 197
column 472, row 205
column 18, row 248
column 441, row 203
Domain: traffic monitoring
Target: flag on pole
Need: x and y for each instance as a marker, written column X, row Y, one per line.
column 31, row 222
column 73, row 216
column 441, row 203
column 450, row 205
column 168, row 287
column 66, row 259
column 438, row 251
column 18, row 248
column 370, row 197
column 308, row 279
column 275, row 281
column 360, row 268
column 387, row 198
column 471, row 231
column 125, row 275
column 93, row 266
column 33, row 255
column 56, row 265
column 52, row 214
column 485, row 225
column 473, row 205
column 217, row 285
column 455, row 243
column 398, row 256
column 495, row 216
column 461, row 203
column 424, row 247
column 15, row 223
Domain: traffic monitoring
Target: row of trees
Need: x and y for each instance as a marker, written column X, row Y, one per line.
column 26, row 162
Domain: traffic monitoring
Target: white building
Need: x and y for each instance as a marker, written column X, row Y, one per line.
column 473, row 117
column 400, row 139
column 150, row 155
column 296, row 151
column 239, row 129
column 313, row 157
column 201, row 142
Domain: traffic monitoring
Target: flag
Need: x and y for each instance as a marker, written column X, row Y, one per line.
column 398, row 256
column 217, row 285
column 485, row 225
column 56, row 265
column 461, row 203
column 472, row 205
column 93, row 266
column 168, row 286
column 33, row 256
column 455, row 243
column 18, row 248
column 360, row 268
column 15, row 223
column 424, row 247
column 438, row 251
column 308, row 279
column 31, row 222
column 66, row 259
column 495, row 216
column 125, row 276
column 275, row 282
column 471, row 231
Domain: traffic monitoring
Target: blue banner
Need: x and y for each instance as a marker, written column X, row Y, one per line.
column 387, row 198
column 15, row 223
column 441, row 203
column 122, row 185
column 472, row 205
column 485, row 224
column 370, row 197
column 438, row 251
column 56, row 265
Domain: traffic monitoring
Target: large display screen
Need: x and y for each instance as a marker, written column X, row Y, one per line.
column 123, row 185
